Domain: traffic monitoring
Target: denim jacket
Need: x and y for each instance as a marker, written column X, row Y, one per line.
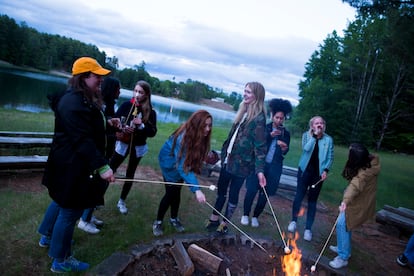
column 172, row 167
column 325, row 155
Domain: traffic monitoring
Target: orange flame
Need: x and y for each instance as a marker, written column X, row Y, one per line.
column 301, row 212
column 291, row 263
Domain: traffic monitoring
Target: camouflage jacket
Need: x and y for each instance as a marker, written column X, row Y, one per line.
column 249, row 149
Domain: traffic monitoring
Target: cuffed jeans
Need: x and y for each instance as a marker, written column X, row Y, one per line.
column 343, row 237
column 62, row 229
column 225, row 180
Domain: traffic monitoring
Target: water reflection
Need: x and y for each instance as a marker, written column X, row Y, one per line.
column 27, row 91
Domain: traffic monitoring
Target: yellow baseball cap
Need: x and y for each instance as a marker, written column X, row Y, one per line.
column 87, row 64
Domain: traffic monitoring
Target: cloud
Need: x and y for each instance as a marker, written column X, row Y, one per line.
column 221, row 43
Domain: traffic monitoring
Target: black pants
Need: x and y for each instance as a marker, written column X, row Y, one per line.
column 133, row 162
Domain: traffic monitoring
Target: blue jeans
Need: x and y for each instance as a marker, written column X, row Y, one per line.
column 409, row 250
column 305, row 180
column 272, row 173
column 49, row 219
column 87, row 214
column 225, row 180
column 343, row 237
column 62, row 229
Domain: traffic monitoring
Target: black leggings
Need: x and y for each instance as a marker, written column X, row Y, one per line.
column 171, row 198
column 133, row 162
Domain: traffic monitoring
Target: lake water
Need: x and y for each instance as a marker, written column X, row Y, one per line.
column 27, row 91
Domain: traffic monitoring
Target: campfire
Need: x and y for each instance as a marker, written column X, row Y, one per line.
column 292, row 263
column 230, row 255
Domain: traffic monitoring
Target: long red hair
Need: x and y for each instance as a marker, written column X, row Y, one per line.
column 194, row 145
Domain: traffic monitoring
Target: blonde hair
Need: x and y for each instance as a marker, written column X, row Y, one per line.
column 313, row 119
column 256, row 107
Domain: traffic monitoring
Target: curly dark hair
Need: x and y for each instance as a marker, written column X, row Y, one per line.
column 280, row 105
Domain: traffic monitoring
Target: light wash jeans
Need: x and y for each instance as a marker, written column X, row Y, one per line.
column 343, row 237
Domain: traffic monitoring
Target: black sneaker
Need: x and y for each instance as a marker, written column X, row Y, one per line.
column 222, row 229
column 177, row 225
column 212, row 225
column 402, row 260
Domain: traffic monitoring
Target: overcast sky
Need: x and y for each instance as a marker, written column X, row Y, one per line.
column 223, row 43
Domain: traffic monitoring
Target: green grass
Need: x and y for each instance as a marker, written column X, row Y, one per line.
column 22, row 212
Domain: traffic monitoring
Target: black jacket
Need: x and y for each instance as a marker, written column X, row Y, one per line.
column 77, row 151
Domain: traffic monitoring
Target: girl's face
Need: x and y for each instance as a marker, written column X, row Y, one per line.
column 318, row 124
column 248, row 95
column 208, row 124
column 278, row 119
column 139, row 93
column 94, row 82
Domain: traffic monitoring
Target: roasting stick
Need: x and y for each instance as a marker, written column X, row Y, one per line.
column 286, row 248
column 241, row 231
column 211, row 187
column 313, row 268
column 319, row 181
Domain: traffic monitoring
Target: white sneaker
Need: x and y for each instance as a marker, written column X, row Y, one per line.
column 307, row 236
column 338, row 262
column 122, row 207
column 96, row 221
column 244, row 220
column 255, row 222
column 88, row 227
column 292, row 226
column 333, row 248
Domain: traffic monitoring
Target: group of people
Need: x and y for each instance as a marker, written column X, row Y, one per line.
column 91, row 141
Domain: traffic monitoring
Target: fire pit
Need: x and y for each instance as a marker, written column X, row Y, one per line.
column 238, row 255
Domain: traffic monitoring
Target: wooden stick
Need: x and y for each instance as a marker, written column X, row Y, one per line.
column 211, row 187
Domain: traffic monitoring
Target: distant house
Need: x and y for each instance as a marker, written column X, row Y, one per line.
column 220, row 100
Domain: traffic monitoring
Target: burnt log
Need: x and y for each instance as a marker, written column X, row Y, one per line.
column 205, row 259
column 184, row 263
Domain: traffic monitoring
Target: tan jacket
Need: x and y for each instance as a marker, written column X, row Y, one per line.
column 360, row 195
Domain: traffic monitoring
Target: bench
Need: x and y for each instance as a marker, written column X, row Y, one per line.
column 26, row 134
column 12, row 142
column 22, row 162
column 288, row 179
column 24, row 142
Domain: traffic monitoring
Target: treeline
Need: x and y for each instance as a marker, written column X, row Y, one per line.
column 22, row 45
column 363, row 83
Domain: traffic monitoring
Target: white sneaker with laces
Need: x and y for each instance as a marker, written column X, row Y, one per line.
column 88, row 227
column 292, row 226
column 122, row 207
column 255, row 222
column 96, row 221
column 244, row 220
column 307, row 236
column 338, row 262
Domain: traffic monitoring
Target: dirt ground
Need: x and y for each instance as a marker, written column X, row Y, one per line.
column 374, row 250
